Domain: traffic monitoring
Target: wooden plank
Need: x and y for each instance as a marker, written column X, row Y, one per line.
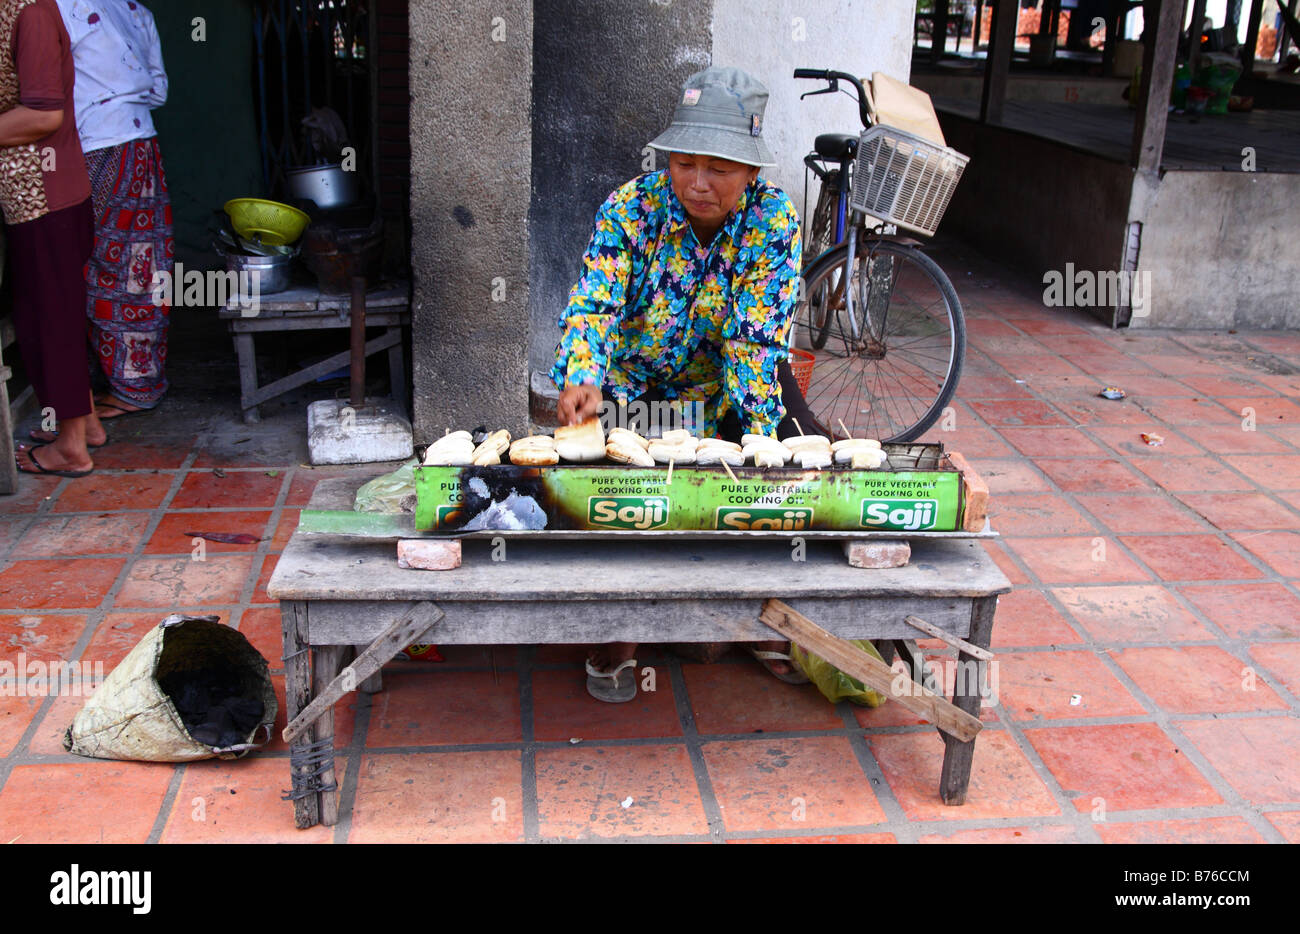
column 1002, row 41
column 558, row 619
column 958, row 755
column 314, row 322
column 8, row 466
column 914, row 659
column 1252, row 37
column 297, row 695
column 870, row 671
column 307, row 374
column 320, row 568
column 325, row 665
column 1194, row 31
column 1158, row 59
column 414, row 622
column 932, row 630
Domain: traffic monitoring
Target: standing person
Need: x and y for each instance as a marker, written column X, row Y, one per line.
column 49, row 230
column 120, row 79
column 687, row 295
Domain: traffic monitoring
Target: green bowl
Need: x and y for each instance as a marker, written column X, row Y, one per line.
column 267, row 222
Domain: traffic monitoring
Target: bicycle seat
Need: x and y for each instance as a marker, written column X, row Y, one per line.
column 836, row 145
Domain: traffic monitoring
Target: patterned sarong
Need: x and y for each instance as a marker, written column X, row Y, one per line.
column 133, row 241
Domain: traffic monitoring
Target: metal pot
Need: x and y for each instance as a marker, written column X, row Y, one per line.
column 272, row 272
column 327, row 185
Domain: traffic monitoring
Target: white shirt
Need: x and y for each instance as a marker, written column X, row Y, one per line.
column 120, row 76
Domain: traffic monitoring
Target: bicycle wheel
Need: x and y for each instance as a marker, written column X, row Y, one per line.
column 816, row 319
column 889, row 373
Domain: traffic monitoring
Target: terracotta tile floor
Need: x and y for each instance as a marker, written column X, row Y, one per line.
column 1149, row 658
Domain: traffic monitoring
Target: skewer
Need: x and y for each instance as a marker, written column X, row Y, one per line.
column 669, row 481
column 727, row 468
column 797, row 425
column 847, row 434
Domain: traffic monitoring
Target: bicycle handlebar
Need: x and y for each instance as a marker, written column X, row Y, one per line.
column 822, row 74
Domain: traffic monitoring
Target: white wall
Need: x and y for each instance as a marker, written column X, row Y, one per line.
column 771, row 38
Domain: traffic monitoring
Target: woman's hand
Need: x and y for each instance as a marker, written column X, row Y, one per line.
column 578, row 403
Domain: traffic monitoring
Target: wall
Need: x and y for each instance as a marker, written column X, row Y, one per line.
column 206, row 129
column 771, row 38
column 594, row 113
column 592, row 117
column 470, row 165
column 1036, row 204
column 1222, row 251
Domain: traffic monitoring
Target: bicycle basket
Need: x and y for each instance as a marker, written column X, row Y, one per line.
column 903, row 179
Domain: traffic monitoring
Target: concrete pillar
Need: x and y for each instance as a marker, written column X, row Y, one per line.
column 471, row 165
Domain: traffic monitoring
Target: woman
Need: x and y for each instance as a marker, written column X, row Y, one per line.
column 45, row 199
column 120, row 79
column 687, row 295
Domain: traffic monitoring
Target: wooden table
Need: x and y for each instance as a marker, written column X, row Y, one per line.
column 304, row 308
column 337, row 593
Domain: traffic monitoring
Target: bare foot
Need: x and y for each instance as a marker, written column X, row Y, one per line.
column 50, row 459
column 94, row 440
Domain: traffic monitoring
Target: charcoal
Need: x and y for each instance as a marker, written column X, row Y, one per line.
column 211, row 708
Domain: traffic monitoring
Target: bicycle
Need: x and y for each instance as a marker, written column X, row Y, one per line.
column 891, row 317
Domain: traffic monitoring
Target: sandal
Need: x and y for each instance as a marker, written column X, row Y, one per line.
column 117, row 408
column 31, row 455
column 607, row 686
column 793, row 676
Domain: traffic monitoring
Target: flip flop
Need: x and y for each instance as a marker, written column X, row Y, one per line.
column 31, row 455
column 118, row 408
column 34, row 432
column 793, row 676
column 607, row 686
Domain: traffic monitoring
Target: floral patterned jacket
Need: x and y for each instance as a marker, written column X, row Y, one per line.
column 654, row 308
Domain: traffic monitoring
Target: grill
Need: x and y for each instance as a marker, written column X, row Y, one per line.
column 903, row 179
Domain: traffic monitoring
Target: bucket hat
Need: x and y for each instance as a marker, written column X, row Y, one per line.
column 719, row 113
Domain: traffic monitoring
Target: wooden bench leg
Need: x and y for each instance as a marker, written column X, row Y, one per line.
column 8, row 467
column 326, row 662
column 247, row 375
column 957, row 756
column 375, row 683
column 297, row 695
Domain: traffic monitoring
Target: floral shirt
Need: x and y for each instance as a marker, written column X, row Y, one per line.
column 654, row 308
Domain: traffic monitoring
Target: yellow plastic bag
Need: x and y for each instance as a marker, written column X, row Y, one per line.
column 834, row 684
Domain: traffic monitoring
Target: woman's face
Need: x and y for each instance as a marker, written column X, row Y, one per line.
column 708, row 187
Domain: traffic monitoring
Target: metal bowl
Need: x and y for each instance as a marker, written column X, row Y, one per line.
column 327, row 185
column 272, row 272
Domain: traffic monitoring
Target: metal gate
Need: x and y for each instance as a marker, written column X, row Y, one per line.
column 314, row 53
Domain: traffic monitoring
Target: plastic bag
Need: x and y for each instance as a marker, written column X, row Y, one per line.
column 392, row 492
column 834, row 684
